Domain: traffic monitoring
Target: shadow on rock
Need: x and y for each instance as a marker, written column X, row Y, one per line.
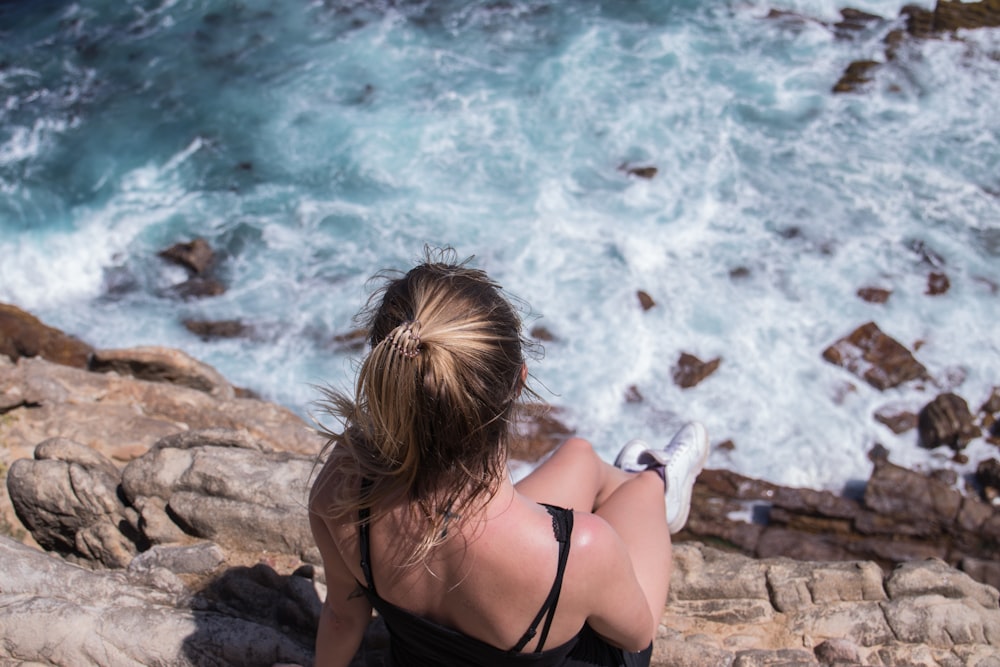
column 273, row 605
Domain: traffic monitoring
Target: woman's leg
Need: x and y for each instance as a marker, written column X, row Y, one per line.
column 576, row 477
column 637, row 513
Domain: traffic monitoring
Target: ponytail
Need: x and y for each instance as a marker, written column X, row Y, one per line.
column 431, row 418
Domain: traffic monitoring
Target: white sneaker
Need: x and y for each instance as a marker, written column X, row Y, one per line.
column 628, row 457
column 682, row 459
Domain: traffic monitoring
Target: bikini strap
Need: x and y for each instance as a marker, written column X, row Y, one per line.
column 364, row 538
column 562, row 526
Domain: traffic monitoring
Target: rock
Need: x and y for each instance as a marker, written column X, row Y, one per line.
column 875, row 357
column 67, row 497
column 633, row 395
column 161, row 364
column 856, row 74
column 947, row 421
column 898, row 421
column 937, row 283
column 198, row 288
column 52, row 612
column 24, row 335
column 199, row 558
column 739, row 273
column 213, row 329
column 838, row 651
column 196, row 256
column 690, row 370
column 951, row 15
column 354, row 340
column 935, row 577
column 541, row 333
column 725, row 609
column 645, row 300
column 539, row 431
column 874, row 294
column 226, row 487
column 642, row 172
column 923, row 504
column 854, row 21
column 988, row 477
column 992, row 404
column 902, row 515
column 122, row 417
column 919, row 21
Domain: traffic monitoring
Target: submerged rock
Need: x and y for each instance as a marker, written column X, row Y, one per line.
column 196, row 256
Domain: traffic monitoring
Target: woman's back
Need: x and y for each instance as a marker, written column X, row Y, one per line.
column 487, row 580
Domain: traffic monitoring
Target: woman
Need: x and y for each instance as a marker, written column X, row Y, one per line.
column 415, row 513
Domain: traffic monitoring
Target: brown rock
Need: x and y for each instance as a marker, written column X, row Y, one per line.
column 877, row 358
column 543, row 334
column 947, row 421
column 919, row 21
column 633, row 395
column 992, row 404
column 690, row 370
column 739, row 273
column 539, row 432
column 937, row 283
column 24, row 335
column 898, row 421
column 856, row 74
column 950, row 15
column 199, row 287
column 874, row 294
column 984, row 570
column 212, row 329
column 853, row 21
column 647, row 171
column 354, row 340
column 775, row 542
column 988, row 476
column 196, row 256
column 645, row 300
column 161, row 364
column 911, row 498
column 838, row 651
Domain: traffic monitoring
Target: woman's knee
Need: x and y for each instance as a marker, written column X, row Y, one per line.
column 578, row 447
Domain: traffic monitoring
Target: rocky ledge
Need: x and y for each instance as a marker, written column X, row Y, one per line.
column 156, row 515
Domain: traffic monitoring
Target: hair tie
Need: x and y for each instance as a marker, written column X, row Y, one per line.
column 405, row 339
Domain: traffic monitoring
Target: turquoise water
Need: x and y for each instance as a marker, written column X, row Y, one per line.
column 316, row 143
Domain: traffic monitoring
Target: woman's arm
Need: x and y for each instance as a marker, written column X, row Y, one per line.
column 346, row 611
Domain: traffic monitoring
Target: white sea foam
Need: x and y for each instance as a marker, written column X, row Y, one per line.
column 508, row 135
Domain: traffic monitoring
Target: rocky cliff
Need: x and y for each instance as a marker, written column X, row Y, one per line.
column 161, row 517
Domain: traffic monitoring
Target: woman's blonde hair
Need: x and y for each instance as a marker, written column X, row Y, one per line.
column 430, row 421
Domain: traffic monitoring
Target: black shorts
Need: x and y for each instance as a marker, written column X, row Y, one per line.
column 594, row 651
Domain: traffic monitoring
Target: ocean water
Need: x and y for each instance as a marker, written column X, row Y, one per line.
column 315, row 142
